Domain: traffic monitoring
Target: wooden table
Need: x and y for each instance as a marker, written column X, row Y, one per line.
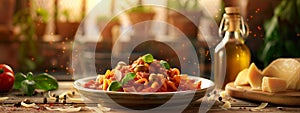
column 237, row 106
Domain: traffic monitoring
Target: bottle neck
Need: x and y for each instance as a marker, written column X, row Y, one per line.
column 233, row 23
column 233, row 28
column 233, row 36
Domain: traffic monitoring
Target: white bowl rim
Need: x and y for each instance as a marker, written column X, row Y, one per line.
column 206, row 83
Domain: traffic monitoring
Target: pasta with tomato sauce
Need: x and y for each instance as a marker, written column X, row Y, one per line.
column 145, row 74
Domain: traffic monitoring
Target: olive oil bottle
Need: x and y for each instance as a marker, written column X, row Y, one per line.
column 231, row 54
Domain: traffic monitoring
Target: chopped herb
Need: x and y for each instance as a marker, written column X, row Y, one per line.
column 164, row 64
column 114, row 86
column 128, row 77
column 148, row 58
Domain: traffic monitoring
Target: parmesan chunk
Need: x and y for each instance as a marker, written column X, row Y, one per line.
column 255, row 77
column 242, row 78
column 287, row 69
column 273, row 84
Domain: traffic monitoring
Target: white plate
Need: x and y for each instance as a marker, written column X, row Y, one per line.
column 142, row 100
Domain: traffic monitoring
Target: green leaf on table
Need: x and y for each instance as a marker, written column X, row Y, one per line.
column 45, row 81
column 128, row 77
column 28, row 87
column 29, row 76
column 19, row 77
column 114, row 86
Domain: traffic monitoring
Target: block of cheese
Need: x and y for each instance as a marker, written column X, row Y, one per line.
column 255, row 77
column 273, row 84
column 242, row 78
column 287, row 69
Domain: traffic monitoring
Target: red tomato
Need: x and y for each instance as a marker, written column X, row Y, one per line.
column 7, row 78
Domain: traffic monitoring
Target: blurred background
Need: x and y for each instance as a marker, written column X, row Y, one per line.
column 38, row 35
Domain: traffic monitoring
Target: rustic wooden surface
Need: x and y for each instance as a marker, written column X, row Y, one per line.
column 237, row 106
column 245, row 92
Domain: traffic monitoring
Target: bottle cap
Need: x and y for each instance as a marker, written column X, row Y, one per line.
column 232, row 10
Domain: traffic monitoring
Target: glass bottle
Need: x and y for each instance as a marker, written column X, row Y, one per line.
column 231, row 54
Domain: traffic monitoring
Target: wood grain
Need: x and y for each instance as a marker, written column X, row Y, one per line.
column 291, row 98
column 237, row 105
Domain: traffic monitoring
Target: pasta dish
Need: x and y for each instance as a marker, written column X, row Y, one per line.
column 145, row 74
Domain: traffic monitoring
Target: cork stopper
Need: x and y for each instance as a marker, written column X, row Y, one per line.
column 232, row 10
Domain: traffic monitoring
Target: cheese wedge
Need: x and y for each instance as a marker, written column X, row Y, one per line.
column 255, row 77
column 287, row 69
column 242, row 78
column 273, row 84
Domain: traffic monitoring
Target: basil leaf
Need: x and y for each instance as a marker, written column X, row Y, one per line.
column 29, row 76
column 45, row 81
column 164, row 64
column 19, row 77
column 114, row 86
column 28, row 87
column 128, row 77
column 148, row 58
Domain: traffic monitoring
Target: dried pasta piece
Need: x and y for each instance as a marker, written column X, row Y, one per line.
column 105, row 85
column 142, row 81
column 172, row 85
column 155, row 85
column 199, row 85
column 177, row 78
column 176, row 71
column 69, row 109
column 223, row 94
column 32, row 105
column 261, row 106
column 226, row 105
column 75, row 100
column 3, row 98
column 107, row 73
column 100, row 79
column 163, row 89
column 108, row 81
column 67, row 93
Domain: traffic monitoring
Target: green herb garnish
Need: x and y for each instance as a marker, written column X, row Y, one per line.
column 164, row 64
column 128, row 77
column 148, row 58
column 114, row 86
